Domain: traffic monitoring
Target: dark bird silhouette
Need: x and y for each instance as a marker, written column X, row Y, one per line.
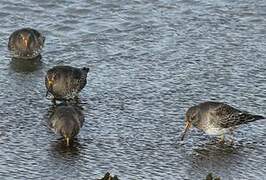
column 66, row 120
column 26, row 43
column 65, row 82
column 108, row 176
column 216, row 118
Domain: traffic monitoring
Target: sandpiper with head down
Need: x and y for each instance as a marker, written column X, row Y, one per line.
column 66, row 121
column 25, row 43
column 65, row 82
column 216, row 118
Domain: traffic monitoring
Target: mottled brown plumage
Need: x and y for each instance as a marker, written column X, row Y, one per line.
column 66, row 120
column 65, row 82
column 25, row 43
column 216, row 118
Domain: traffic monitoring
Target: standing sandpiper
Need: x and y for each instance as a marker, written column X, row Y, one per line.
column 65, row 82
column 26, row 43
column 216, row 118
column 66, row 121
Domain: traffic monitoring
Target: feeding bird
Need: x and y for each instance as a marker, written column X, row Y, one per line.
column 25, row 43
column 66, row 120
column 216, row 118
column 65, row 82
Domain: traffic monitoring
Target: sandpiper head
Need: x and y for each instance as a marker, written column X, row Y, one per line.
column 67, row 139
column 50, row 77
column 68, row 131
column 192, row 118
column 25, row 39
column 193, row 115
column 85, row 69
column 49, row 81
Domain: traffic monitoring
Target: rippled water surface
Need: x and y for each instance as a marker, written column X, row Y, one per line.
column 149, row 61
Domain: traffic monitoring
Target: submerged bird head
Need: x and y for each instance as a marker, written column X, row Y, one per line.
column 85, row 69
column 192, row 118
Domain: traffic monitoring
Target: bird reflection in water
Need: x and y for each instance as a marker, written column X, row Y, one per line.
column 29, row 65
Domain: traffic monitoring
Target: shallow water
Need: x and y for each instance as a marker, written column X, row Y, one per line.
column 150, row 61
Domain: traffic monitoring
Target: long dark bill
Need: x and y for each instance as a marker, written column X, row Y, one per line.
column 185, row 131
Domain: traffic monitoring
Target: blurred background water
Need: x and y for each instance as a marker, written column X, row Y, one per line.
column 150, row 61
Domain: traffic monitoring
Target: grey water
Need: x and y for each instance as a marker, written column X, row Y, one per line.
column 149, row 61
